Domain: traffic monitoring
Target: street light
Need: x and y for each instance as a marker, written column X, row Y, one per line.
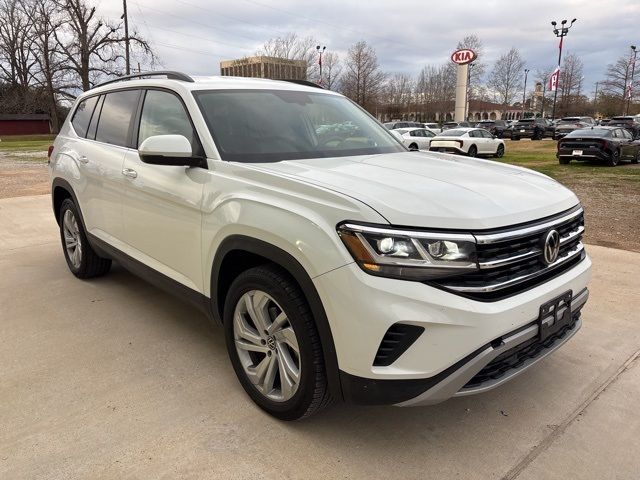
column 524, row 92
column 320, row 52
column 633, row 70
column 560, row 33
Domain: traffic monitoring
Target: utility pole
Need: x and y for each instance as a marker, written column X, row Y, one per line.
column 126, row 37
column 633, row 70
column 524, row 92
column 560, row 33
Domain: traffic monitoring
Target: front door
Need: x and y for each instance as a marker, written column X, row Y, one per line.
column 162, row 204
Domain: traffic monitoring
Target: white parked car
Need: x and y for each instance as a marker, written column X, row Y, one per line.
column 468, row 141
column 338, row 264
column 416, row 138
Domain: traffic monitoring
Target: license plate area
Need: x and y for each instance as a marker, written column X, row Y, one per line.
column 577, row 152
column 554, row 315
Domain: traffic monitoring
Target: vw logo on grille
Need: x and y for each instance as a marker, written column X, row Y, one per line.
column 551, row 247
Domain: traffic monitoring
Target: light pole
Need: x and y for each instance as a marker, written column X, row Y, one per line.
column 560, row 33
column 320, row 52
column 524, row 92
column 633, row 70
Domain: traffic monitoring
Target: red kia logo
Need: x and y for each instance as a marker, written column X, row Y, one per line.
column 464, row 56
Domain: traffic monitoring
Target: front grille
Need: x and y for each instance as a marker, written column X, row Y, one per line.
column 511, row 260
column 515, row 357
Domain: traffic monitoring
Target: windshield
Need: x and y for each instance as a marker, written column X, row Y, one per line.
column 275, row 125
column 526, row 121
column 590, row 132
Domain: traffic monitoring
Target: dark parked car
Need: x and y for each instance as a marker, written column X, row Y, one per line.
column 402, row 124
column 569, row 124
column 608, row 144
column 630, row 123
column 499, row 128
column 533, row 128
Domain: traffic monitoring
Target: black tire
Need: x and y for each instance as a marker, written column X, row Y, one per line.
column 614, row 158
column 499, row 151
column 637, row 157
column 517, row 139
column 473, row 151
column 312, row 392
column 413, row 147
column 536, row 136
column 88, row 263
column 564, row 161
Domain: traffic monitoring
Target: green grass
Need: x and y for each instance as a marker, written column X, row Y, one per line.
column 541, row 156
column 25, row 143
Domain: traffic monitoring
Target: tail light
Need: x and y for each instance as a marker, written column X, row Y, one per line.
column 460, row 142
column 49, row 152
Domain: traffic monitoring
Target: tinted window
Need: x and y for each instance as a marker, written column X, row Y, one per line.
column 82, row 116
column 453, row 133
column 115, row 117
column 164, row 114
column 626, row 134
column 91, row 133
column 590, row 132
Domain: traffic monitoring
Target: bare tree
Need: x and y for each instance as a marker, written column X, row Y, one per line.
column 362, row 79
column 506, row 77
column 570, row 86
column 92, row 47
column 477, row 71
column 614, row 86
column 398, row 93
column 293, row 47
column 17, row 63
column 331, row 70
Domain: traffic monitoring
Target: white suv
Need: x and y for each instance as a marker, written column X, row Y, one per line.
column 340, row 264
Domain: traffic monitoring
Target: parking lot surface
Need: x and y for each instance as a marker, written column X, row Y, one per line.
column 113, row 378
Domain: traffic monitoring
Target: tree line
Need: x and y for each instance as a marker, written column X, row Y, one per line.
column 51, row 50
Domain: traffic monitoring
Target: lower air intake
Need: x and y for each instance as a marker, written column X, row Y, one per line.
column 395, row 342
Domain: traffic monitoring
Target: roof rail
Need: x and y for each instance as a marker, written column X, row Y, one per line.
column 168, row 73
column 302, row 82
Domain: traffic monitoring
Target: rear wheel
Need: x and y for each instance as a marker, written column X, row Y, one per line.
column 413, row 146
column 500, row 151
column 636, row 158
column 564, row 160
column 614, row 158
column 274, row 345
column 473, row 151
column 81, row 259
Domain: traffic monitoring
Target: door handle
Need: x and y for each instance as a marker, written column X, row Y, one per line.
column 129, row 172
column 84, row 159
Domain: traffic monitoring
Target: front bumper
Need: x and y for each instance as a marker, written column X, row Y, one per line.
column 461, row 336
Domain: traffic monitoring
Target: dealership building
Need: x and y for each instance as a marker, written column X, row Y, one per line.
column 265, row 67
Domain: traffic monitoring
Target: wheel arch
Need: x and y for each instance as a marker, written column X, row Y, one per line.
column 236, row 254
column 61, row 190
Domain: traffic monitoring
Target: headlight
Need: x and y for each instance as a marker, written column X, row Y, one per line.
column 409, row 254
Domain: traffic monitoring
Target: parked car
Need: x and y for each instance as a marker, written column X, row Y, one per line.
column 568, row 124
column 604, row 121
column 337, row 266
column 416, row 138
column 468, row 141
column 499, row 128
column 395, row 125
column 450, row 125
column 631, row 123
column 434, row 127
column 604, row 143
column 533, row 128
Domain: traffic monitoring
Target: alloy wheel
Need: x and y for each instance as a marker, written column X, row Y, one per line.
column 267, row 346
column 72, row 240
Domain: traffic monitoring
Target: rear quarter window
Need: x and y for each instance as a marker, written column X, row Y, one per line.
column 82, row 115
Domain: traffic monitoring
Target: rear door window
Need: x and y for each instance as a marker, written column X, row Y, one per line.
column 116, row 117
column 82, row 115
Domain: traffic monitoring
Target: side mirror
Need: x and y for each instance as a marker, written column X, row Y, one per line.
column 172, row 150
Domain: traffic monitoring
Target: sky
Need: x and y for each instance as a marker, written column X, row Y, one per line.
column 193, row 36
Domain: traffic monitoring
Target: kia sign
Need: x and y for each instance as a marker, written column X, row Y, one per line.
column 463, row 56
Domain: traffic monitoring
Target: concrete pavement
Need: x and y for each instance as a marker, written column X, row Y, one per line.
column 112, row 378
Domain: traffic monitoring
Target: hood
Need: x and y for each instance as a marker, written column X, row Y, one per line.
column 434, row 190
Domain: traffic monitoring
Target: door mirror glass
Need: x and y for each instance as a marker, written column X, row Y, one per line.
column 168, row 150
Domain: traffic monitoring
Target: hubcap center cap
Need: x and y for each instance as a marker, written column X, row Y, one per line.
column 271, row 342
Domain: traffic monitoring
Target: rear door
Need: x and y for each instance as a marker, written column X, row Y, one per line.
column 101, row 159
column 162, row 204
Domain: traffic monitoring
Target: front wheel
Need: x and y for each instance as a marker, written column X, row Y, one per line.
column 473, row 151
column 500, row 151
column 614, row 158
column 274, row 345
column 81, row 259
